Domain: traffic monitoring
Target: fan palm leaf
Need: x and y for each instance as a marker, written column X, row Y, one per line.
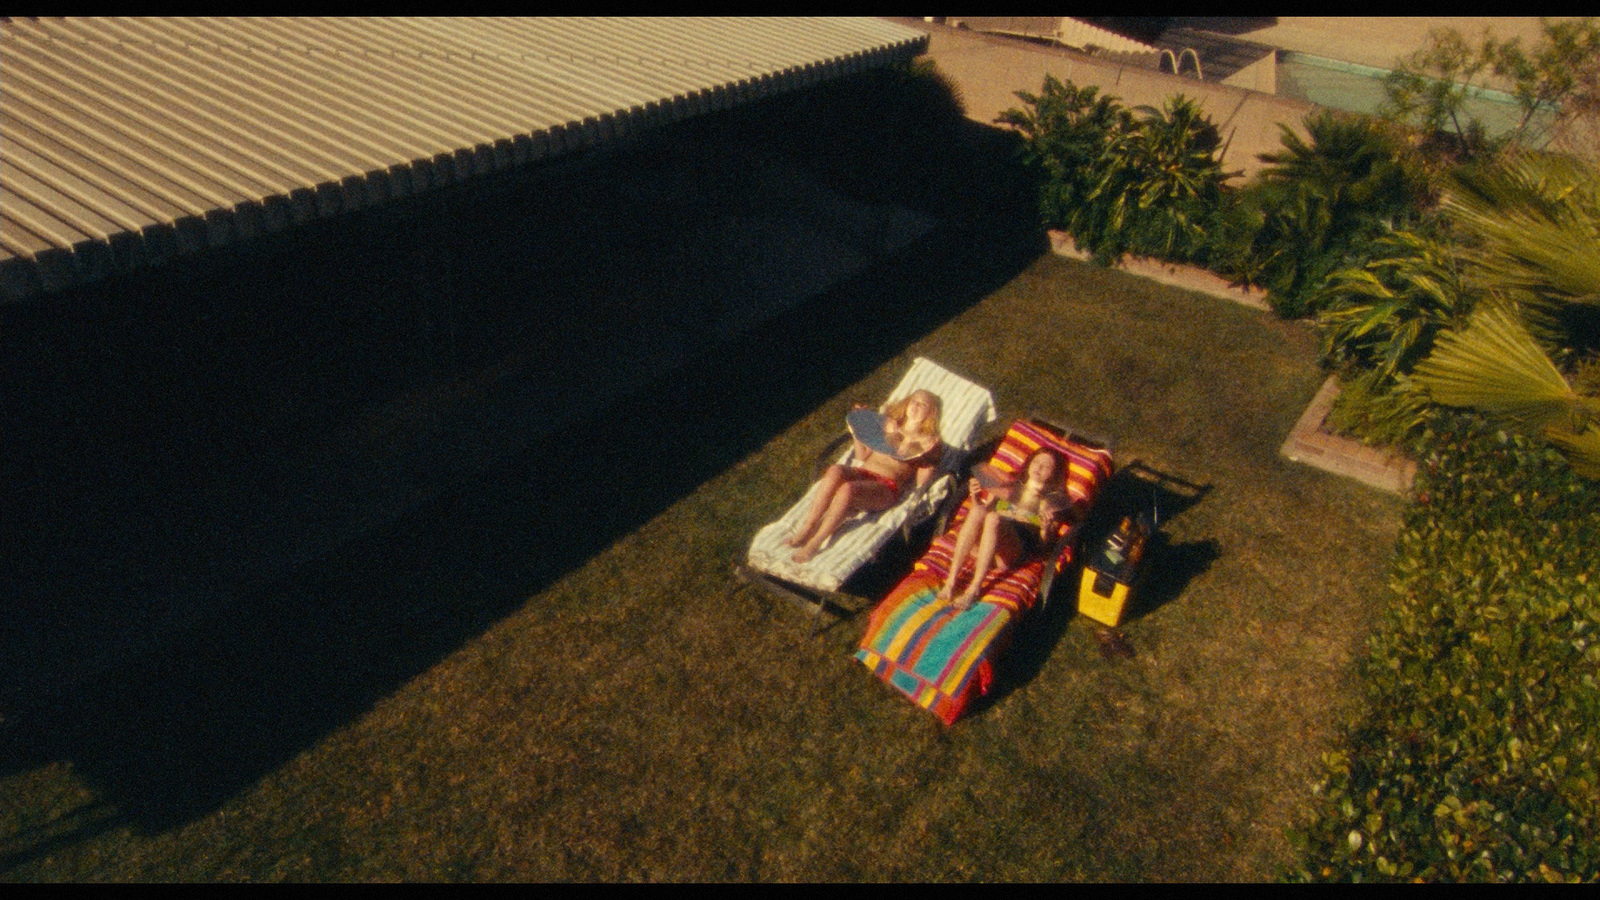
column 1537, row 218
column 1495, row 366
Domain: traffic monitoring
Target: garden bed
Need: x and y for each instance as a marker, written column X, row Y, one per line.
column 1179, row 275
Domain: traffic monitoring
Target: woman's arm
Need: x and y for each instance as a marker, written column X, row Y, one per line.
column 1056, row 509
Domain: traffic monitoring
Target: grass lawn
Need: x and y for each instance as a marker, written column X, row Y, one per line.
column 521, row 690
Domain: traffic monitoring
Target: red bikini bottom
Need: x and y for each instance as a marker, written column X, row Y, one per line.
column 855, row 474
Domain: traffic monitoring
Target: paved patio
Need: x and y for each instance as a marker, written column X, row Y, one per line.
column 1368, row 40
column 989, row 71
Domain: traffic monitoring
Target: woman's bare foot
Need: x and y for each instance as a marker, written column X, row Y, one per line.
column 803, row 555
column 946, row 592
column 967, row 598
column 795, row 539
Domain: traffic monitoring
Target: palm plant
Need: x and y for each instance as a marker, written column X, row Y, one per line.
column 1117, row 182
column 1382, row 317
column 1065, row 131
column 1536, row 222
column 1319, row 202
column 1351, row 155
column 1155, row 185
column 1176, row 179
column 1495, row 366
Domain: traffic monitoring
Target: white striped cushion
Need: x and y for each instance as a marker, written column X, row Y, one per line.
column 966, row 408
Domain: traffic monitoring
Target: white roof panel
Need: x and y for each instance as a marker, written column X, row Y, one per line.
column 115, row 129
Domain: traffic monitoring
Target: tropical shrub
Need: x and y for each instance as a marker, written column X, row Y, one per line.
column 1315, row 208
column 1478, row 754
column 1142, row 181
column 1161, row 182
column 1232, row 230
column 1065, row 131
column 1382, row 317
column 1375, row 410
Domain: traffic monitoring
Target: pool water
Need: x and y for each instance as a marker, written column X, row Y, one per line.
column 1356, row 88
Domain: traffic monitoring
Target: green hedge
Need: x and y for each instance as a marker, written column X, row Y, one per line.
column 1476, row 758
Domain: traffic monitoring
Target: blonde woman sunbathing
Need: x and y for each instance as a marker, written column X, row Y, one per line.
column 878, row 477
column 1010, row 520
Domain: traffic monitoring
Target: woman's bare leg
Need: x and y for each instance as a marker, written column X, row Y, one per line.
column 998, row 544
column 851, row 497
column 965, row 538
column 831, row 480
column 983, row 558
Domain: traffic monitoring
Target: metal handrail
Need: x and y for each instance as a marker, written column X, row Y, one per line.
column 1177, row 61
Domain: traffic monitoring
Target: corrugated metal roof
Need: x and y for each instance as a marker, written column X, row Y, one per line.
column 124, row 140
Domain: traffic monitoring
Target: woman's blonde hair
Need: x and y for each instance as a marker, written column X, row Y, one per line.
column 930, row 425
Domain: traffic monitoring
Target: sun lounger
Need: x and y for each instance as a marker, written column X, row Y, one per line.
column 967, row 407
column 943, row 658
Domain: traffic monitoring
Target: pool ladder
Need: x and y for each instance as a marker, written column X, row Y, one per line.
column 1177, row 61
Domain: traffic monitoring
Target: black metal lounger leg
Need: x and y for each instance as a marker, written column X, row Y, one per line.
column 813, row 601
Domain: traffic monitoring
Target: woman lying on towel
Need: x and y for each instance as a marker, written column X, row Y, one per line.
column 1009, row 522
column 884, row 465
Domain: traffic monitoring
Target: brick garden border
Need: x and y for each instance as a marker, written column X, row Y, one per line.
column 1309, row 443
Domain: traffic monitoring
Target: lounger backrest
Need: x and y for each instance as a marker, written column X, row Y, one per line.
column 966, row 407
column 1087, row 467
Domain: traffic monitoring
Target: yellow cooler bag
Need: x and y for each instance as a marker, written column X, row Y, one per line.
column 1106, row 588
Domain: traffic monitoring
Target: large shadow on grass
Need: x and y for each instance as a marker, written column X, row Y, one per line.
column 273, row 653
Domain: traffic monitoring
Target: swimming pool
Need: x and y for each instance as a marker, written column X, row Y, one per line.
column 1357, row 88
